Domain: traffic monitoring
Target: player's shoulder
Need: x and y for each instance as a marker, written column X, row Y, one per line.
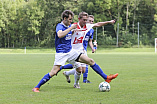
column 59, row 24
column 89, row 25
column 92, row 30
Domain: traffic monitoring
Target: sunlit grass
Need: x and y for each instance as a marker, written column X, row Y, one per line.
column 136, row 83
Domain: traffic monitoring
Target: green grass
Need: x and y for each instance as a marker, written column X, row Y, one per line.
column 136, row 83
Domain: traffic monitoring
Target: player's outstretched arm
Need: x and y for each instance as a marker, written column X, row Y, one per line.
column 99, row 24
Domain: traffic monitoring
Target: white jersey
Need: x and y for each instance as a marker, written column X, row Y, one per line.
column 78, row 36
column 95, row 43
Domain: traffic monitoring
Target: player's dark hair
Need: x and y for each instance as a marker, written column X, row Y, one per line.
column 81, row 14
column 66, row 14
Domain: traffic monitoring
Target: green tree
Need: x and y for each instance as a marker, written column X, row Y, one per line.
column 2, row 24
column 32, row 22
column 52, row 16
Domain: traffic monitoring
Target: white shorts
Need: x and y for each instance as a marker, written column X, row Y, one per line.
column 70, row 57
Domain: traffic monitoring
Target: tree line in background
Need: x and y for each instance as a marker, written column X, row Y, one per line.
column 31, row 23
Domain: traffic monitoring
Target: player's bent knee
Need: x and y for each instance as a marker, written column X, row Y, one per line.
column 91, row 62
column 79, row 69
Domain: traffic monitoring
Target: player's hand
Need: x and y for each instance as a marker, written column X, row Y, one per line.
column 112, row 21
column 74, row 26
column 93, row 50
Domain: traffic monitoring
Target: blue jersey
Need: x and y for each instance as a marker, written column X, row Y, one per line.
column 88, row 36
column 63, row 45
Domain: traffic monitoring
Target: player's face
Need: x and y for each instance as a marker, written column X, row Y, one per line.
column 67, row 21
column 83, row 21
column 90, row 20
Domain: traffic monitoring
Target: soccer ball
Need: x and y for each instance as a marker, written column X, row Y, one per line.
column 104, row 87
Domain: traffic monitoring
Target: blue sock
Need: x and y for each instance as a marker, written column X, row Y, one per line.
column 68, row 66
column 98, row 70
column 85, row 75
column 43, row 80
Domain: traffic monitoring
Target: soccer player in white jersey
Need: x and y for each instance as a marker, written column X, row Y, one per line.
column 87, row 40
column 65, row 53
column 77, row 43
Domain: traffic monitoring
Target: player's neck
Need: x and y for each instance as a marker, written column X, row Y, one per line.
column 81, row 25
column 65, row 23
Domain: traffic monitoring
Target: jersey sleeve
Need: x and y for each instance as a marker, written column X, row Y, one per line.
column 89, row 27
column 59, row 27
column 91, row 33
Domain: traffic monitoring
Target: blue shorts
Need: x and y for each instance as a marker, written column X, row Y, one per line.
column 95, row 48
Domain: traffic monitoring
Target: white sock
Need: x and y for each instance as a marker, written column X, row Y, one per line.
column 77, row 76
column 71, row 72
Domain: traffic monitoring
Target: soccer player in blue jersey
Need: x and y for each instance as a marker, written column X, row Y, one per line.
column 95, row 44
column 65, row 52
column 87, row 40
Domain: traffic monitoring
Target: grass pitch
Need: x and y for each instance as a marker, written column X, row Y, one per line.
column 136, row 83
